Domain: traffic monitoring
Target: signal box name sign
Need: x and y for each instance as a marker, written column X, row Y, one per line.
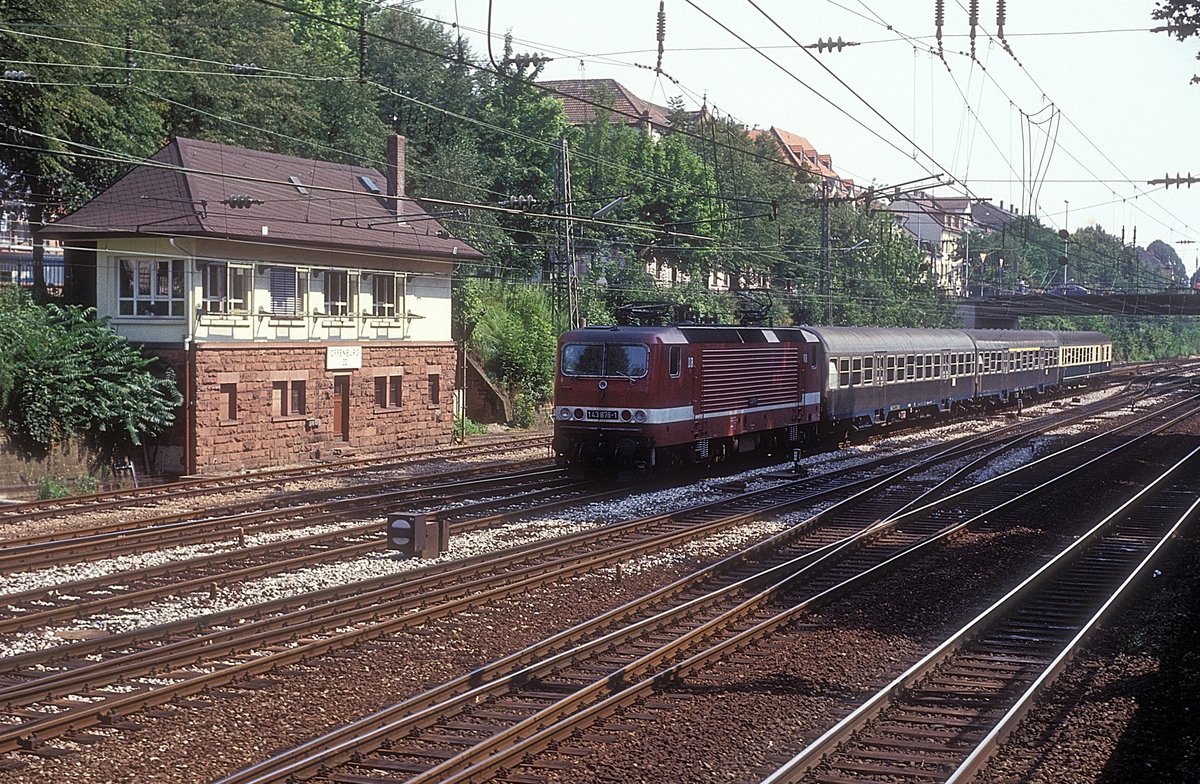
column 343, row 357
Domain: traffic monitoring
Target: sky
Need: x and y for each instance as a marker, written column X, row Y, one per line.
column 1088, row 107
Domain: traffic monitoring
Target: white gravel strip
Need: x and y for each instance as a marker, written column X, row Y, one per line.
column 19, row 582
column 709, row 548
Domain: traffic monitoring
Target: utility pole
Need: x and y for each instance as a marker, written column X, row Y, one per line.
column 826, row 256
column 1066, row 234
column 565, row 286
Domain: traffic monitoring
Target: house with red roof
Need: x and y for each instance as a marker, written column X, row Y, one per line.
column 584, row 99
column 803, row 156
column 304, row 305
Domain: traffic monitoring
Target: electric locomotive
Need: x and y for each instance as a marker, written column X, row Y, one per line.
column 645, row 397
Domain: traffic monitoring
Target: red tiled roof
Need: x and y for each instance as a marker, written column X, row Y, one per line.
column 801, row 153
column 180, row 189
column 626, row 106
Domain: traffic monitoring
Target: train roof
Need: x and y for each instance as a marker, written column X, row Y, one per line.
column 1083, row 338
column 867, row 340
column 686, row 334
column 993, row 339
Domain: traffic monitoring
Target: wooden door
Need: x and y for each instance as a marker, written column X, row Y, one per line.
column 341, row 407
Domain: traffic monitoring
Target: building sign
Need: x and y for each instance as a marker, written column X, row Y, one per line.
column 343, row 357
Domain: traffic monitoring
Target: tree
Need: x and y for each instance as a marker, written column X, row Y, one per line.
column 74, row 101
column 65, row 374
column 1182, row 18
column 521, row 128
column 1170, row 260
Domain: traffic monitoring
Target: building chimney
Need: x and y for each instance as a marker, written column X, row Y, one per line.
column 395, row 169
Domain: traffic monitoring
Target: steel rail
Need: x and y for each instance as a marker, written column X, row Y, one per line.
column 295, row 625
column 187, row 529
column 506, row 749
column 142, row 699
column 326, row 547
column 820, row 749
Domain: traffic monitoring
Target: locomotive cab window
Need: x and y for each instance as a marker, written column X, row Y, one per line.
column 605, row 359
column 675, row 361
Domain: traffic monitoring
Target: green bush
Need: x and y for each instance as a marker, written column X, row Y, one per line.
column 86, row 484
column 469, row 427
column 65, row 373
column 52, row 487
column 524, row 411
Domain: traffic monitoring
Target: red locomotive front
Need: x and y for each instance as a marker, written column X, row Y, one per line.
column 641, row 397
column 620, row 395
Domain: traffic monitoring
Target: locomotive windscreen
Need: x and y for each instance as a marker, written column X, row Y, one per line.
column 605, row 359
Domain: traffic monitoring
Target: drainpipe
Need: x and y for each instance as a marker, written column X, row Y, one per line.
column 189, row 370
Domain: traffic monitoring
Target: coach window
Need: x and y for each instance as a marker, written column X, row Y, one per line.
column 675, row 361
column 891, row 369
column 868, row 370
column 844, row 372
column 856, row 372
column 937, row 365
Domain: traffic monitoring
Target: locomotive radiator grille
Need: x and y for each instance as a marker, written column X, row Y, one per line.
column 733, row 377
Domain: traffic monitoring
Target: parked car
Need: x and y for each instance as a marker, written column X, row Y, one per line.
column 1069, row 290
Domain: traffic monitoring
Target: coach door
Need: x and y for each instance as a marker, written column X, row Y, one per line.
column 341, row 407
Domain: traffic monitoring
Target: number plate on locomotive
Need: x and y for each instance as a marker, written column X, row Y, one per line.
column 599, row 414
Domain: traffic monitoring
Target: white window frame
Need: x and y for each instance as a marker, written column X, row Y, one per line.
column 226, row 274
column 341, row 307
column 398, row 306
column 299, row 290
column 141, row 301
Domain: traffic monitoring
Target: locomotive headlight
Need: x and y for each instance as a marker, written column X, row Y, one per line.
column 639, row 416
column 625, row 415
column 579, row 413
column 564, row 413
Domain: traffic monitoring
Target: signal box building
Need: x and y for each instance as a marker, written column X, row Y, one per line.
column 304, row 305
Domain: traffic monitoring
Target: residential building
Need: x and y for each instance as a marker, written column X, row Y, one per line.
column 580, row 96
column 799, row 152
column 303, row 305
column 937, row 225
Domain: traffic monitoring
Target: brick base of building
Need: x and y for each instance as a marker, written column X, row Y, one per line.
column 243, row 410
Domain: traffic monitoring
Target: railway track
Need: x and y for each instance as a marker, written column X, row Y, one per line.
column 74, row 677
column 226, row 634
column 290, row 510
column 268, row 479
column 942, row 719
column 458, row 733
column 523, row 494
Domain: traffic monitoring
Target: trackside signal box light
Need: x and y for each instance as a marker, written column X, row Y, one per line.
column 417, row 535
